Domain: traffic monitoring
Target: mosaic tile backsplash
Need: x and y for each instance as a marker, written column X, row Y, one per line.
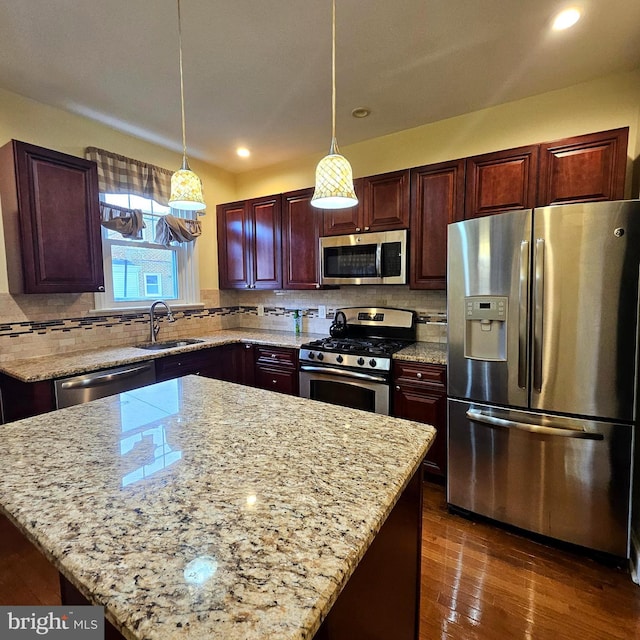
column 35, row 325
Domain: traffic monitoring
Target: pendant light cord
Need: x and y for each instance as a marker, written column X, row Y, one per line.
column 334, row 144
column 184, row 135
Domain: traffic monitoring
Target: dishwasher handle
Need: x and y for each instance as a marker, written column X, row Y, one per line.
column 476, row 416
column 105, row 378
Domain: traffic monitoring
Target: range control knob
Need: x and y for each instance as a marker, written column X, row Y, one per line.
column 311, row 355
column 339, row 359
column 360, row 361
column 372, row 363
column 320, row 356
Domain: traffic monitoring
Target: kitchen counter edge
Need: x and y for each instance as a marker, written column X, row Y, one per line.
column 73, row 363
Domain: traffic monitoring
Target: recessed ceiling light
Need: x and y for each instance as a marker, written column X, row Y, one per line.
column 243, row 152
column 566, row 18
column 360, row 112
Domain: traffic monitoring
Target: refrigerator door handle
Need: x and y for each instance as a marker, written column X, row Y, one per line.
column 538, row 301
column 476, row 416
column 523, row 312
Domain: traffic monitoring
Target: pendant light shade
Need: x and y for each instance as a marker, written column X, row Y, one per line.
column 186, row 187
column 334, row 182
column 334, row 177
column 186, row 190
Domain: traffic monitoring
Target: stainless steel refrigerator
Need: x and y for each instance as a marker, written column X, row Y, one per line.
column 542, row 369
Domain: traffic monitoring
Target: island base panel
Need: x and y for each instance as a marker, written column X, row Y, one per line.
column 382, row 598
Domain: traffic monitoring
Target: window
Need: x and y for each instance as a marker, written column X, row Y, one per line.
column 136, row 270
column 152, row 285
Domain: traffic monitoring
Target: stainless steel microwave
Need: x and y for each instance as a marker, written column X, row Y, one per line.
column 367, row 258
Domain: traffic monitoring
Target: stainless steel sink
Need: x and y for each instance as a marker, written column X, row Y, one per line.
column 169, row 344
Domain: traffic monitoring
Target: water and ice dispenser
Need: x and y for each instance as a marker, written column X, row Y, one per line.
column 485, row 331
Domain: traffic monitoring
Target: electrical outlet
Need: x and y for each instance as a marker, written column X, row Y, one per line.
column 261, row 310
column 322, row 311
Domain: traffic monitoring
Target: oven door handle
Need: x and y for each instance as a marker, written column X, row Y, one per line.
column 343, row 373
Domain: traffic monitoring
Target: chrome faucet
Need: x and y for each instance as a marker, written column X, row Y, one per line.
column 154, row 323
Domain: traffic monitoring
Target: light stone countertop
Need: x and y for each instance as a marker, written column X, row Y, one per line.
column 426, row 352
column 61, row 365
column 272, row 500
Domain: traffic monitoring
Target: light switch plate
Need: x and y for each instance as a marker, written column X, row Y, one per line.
column 260, row 309
column 322, row 311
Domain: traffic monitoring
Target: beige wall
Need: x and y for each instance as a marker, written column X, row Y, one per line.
column 607, row 103
column 603, row 104
column 36, row 123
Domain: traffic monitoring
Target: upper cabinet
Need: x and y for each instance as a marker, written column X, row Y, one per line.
column 301, row 231
column 583, row 169
column 501, row 181
column 383, row 206
column 51, row 219
column 250, row 244
column 437, row 199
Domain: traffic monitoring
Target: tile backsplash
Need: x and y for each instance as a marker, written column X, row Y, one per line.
column 34, row 325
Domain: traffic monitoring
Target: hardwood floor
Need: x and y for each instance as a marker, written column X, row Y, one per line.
column 479, row 582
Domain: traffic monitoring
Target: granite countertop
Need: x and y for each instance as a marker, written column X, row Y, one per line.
column 204, row 509
column 61, row 365
column 427, row 352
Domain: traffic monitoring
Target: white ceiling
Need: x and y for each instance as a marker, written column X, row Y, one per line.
column 258, row 72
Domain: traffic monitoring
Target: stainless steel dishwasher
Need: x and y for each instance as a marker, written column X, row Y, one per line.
column 107, row 382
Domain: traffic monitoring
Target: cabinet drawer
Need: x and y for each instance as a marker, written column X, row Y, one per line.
column 276, row 357
column 277, row 380
column 415, row 372
column 201, row 362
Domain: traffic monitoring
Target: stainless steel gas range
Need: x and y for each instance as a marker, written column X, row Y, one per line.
column 352, row 368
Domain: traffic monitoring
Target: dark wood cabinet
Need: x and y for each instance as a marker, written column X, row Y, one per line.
column 337, row 222
column 437, row 199
column 501, row 181
column 25, row 399
column 585, row 168
column 276, row 369
column 51, row 218
column 250, row 244
column 420, row 394
column 383, row 206
column 301, row 231
column 235, row 363
column 203, row 362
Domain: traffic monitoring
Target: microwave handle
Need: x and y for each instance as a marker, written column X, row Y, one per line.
column 379, row 259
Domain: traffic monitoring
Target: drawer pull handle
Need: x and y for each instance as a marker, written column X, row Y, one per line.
column 274, row 381
column 418, row 375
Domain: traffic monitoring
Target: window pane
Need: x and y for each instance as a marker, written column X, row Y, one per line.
column 130, row 265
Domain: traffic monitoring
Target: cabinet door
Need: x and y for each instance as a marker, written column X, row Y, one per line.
column 202, row 362
column 276, row 369
column 337, row 222
column 501, row 181
column 437, row 199
column 420, row 394
column 266, row 242
column 583, row 169
column 233, row 246
column 386, row 201
column 52, row 220
column 301, row 228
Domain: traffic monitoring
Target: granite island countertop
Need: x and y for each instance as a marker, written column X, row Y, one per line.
column 61, row 365
column 203, row 509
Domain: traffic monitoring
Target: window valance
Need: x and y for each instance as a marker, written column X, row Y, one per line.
column 119, row 174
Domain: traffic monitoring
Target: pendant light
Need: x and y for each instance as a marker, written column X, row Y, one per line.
column 334, row 177
column 186, row 188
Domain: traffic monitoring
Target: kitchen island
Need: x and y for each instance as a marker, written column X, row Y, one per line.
column 196, row 508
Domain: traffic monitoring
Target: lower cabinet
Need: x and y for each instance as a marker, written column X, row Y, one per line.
column 203, row 362
column 420, row 394
column 24, row 399
column 276, row 369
